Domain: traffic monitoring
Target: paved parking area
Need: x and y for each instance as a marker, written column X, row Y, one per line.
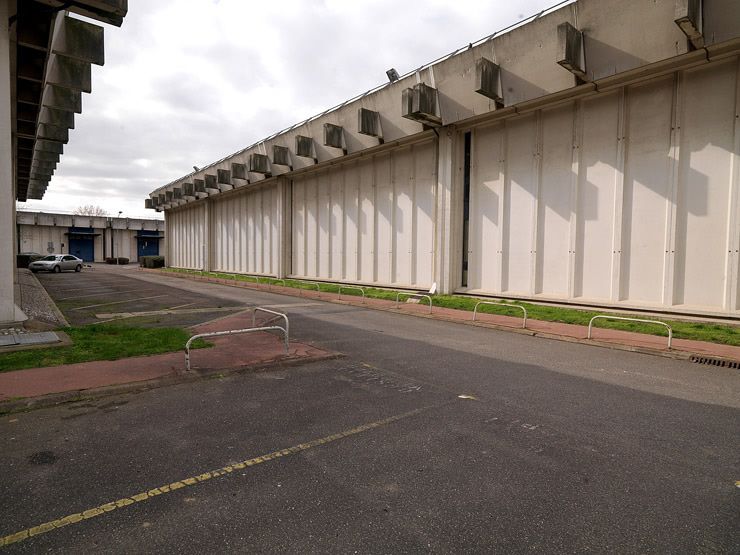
column 427, row 436
column 110, row 290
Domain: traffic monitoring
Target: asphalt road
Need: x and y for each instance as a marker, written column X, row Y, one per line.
column 426, row 436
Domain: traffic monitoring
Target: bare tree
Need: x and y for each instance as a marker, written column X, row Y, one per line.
column 90, row 210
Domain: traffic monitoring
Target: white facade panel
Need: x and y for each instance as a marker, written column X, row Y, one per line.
column 555, row 202
column 425, row 178
column 519, row 201
column 368, row 221
column 369, row 214
column 243, row 233
column 647, row 190
column 351, row 222
column 486, row 207
column 188, row 242
column 702, row 210
column 596, row 189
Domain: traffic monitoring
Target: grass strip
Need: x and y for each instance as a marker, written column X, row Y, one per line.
column 101, row 342
column 699, row 331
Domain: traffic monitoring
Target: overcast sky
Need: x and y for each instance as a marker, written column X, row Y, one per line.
column 187, row 82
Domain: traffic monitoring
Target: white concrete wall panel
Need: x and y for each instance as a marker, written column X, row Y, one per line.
column 647, row 190
column 555, row 202
column 425, row 182
column 243, row 232
column 187, row 226
column 486, row 207
column 368, row 221
column 702, row 211
column 596, row 186
column 519, row 195
column 363, row 219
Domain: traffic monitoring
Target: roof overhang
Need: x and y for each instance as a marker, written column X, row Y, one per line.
column 51, row 57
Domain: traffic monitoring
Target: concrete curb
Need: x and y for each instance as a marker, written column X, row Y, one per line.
column 289, row 291
column 50, row 301
column 53, row 399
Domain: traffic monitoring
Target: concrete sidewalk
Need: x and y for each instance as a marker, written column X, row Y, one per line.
column 228, row 353
column 652, row 344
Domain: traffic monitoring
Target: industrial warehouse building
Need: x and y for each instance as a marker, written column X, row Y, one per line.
column 588, row 155
column 91, row 238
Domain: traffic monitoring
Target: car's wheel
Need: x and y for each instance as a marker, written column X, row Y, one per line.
column 34, row 271
column 57, row 269
column 78, row 268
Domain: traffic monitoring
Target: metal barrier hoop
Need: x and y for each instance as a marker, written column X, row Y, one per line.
column 355, row 287
column 415, row 295
column 491, row 303
column 233, row 332
column 608, row 317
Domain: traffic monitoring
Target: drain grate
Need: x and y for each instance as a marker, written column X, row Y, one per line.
column 711, row 361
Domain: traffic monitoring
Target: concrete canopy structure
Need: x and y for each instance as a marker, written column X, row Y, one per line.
column 589, row 154
column 45, row 59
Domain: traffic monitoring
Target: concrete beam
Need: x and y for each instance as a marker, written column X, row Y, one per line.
column 42, row 165
column 571, row 53
column 281, row 156
column 223, row 180
column 368, row 123
column 60, row 118
column 41, row 156
column 690, row 20
column 69, row 74
column 52, row 133
column 188, row 191
column 200, row 188
column 334, row 137
column 105, row 11
column 80, row 40
column 49, row 146
column 488, row 81
column 62, row 99
column 239, row 171
column 305, row 148
column 260, row 163
column 211, row 184
column 419, row 103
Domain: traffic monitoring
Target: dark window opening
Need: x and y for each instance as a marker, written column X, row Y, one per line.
column 466, row 209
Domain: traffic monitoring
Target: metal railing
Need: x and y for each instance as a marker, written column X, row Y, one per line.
column 414, row 295
column 355, row 287
column 269, row 281
column 316, row 283
column 233, row 332
column 273, row 312
column 490, row 303
column 608, row 317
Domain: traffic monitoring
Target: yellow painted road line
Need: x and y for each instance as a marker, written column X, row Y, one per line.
column 194, row 480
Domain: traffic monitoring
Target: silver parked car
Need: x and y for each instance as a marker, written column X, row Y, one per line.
column 56, row 263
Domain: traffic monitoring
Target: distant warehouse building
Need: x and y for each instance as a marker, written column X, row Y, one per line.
column 589, row 155
column 92, row 238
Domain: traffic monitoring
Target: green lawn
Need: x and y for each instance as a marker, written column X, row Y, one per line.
column 700, row 331
column 101, row 342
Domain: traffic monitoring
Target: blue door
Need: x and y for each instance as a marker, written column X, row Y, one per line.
column 148, row 246
column 82, row 248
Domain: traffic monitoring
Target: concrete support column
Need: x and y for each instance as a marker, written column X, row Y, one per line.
column 8, row 311
column 207, row 237
column 447, row 234
column 284, row 227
